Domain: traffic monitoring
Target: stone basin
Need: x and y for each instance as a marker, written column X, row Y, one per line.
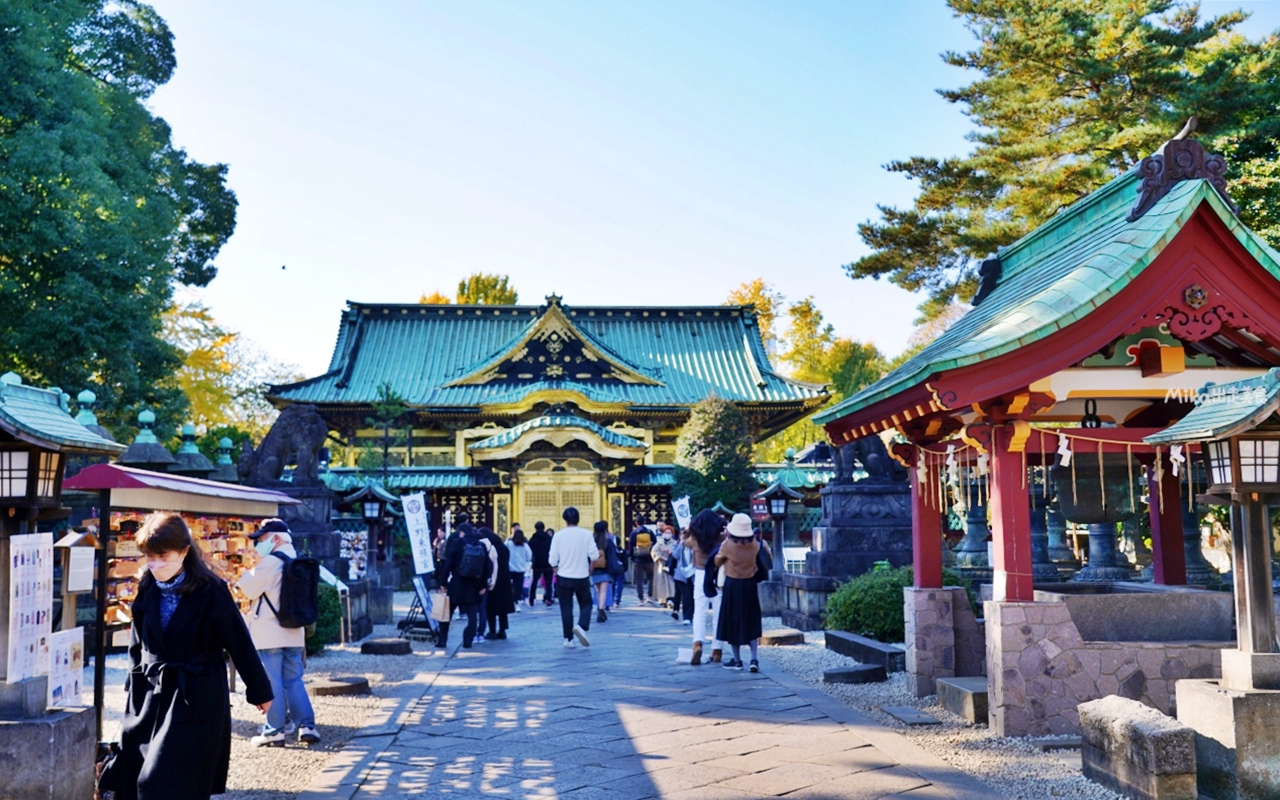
column 1144, row 612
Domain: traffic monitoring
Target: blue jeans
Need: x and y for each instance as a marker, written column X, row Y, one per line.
column 619, row 583
column 284, row 670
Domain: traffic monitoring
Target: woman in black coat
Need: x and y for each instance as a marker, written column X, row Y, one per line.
column 175, row 743
column 501, row 601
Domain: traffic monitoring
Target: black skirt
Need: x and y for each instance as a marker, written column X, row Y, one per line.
column 739, row 612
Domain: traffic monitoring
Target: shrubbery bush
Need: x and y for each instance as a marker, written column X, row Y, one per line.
column 871, row 604
column 329, row 625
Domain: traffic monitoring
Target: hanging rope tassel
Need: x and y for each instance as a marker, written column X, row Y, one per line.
column 1075, row 489
column 1102, row 483
column 1128, row 460
column 1159, row 474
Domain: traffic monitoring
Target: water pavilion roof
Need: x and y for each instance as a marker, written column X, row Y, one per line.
column 1089, row 271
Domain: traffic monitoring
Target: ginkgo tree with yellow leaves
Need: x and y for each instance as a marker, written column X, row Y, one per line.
column 223, row 375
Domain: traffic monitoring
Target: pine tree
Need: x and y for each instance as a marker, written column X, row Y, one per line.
column 713, row 457
column 1071, row 94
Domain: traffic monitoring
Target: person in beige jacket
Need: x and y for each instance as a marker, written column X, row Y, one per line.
column 280, row 648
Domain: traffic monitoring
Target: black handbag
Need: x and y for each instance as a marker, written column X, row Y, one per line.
column 764, row 563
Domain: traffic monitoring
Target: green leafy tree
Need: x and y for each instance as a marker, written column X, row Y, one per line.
column 208, row 443
column 713, row 456
column 1070, row 95
column 100, row 214
column 484, row 289
column 391, row 414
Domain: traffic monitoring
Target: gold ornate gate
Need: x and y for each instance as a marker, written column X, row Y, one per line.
column 544, row 494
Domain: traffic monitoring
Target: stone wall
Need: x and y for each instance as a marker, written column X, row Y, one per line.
column 944, row 639
column 1041, row 669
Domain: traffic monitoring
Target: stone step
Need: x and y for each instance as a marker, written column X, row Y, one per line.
column 867, row 651
column 340, row 685
column 859, row 673
column 386, row 647
column 781, row 636
column 910, row 715
column 964, row 697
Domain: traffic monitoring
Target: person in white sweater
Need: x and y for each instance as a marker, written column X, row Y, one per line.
column 572, row 551
column 280, row 648
column 521, row 563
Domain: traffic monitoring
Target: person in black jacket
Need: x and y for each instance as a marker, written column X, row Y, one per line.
column 466, row 594
column 499, row 602
column 540, row 544
column 175, row 741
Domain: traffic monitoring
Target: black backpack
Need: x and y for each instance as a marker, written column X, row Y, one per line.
column 299, row 592
column 474, row 556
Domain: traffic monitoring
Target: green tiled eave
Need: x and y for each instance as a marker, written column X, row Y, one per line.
column 557, row 421
column 1225, row 409
column 1056, row 275
column 420, row 351
column 37, row 416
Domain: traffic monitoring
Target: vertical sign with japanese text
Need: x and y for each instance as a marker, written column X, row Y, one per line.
column 418, row 521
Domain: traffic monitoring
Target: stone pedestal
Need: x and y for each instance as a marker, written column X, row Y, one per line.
column 943, row 637
column 1105, row 562
column 862, row 523
column 773, row 597
column 359, row 625
column 311, row 522
column 1237, row 739
column 50, row 757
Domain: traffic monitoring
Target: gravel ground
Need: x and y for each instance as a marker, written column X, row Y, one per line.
column 1013, row 766
column 274, row 773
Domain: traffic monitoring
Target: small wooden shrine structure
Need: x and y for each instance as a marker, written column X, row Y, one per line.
column 1089, row 334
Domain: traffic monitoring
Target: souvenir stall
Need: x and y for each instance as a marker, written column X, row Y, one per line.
column 220, row 516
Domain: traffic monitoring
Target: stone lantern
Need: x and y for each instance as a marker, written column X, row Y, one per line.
column 1236, row 739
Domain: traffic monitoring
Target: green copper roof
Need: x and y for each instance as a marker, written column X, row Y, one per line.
column 1057, row 275
column 37, row 416
column 431, row 355
column 410, row 479
column 1225, row 409
column 556, row 421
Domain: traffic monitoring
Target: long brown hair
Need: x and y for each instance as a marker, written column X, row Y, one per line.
column 167, row 532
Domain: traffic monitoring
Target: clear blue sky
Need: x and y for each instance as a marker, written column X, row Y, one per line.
column 644, row 152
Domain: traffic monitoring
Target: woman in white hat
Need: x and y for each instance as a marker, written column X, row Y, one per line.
column 739, row 622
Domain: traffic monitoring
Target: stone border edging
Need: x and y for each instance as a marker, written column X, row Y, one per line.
column 910, row 755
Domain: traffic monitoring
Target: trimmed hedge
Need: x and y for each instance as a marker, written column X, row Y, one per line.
column 871, row 604
column 329, row 626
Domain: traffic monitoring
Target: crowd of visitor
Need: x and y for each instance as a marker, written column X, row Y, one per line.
column 705, row 576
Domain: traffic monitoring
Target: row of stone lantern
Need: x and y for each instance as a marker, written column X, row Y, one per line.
column 148, row 453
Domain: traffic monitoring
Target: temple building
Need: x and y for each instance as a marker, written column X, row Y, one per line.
column 519, row 411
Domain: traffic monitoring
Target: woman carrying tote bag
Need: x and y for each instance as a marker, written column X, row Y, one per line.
column 739, row 621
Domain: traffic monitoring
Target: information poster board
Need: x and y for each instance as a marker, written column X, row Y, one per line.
column 80, row 569
column 354, row 547
column 66, row 667
column 418, row 521
column 30, row 605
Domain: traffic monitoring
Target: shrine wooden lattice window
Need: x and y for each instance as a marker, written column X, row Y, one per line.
column 648, row 506
column 478, row 505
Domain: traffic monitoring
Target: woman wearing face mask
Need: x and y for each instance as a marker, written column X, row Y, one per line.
column 663, row 585
column 175, row 741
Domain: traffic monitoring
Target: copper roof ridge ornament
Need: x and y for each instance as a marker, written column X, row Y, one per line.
column 1180, row 159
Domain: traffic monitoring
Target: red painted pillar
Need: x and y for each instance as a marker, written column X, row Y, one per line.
column 1168, row 559
column 926, row 537
column 1010, row 520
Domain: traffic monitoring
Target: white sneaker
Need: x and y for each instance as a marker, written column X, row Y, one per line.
column 582, row 635
column 479, row 638
column 570, row 644
column 308, row 735
column 687, row 622
column 268, row 739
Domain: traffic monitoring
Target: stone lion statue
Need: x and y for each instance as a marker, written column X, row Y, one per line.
column 296, row 438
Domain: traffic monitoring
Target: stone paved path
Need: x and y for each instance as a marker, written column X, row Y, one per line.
column 621, row 720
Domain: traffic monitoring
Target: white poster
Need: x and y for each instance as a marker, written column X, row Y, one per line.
column 66, row 667
column 80, row 569
column 418, row 521
column 681, row 509
column 353, row 547
column 30, row 605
